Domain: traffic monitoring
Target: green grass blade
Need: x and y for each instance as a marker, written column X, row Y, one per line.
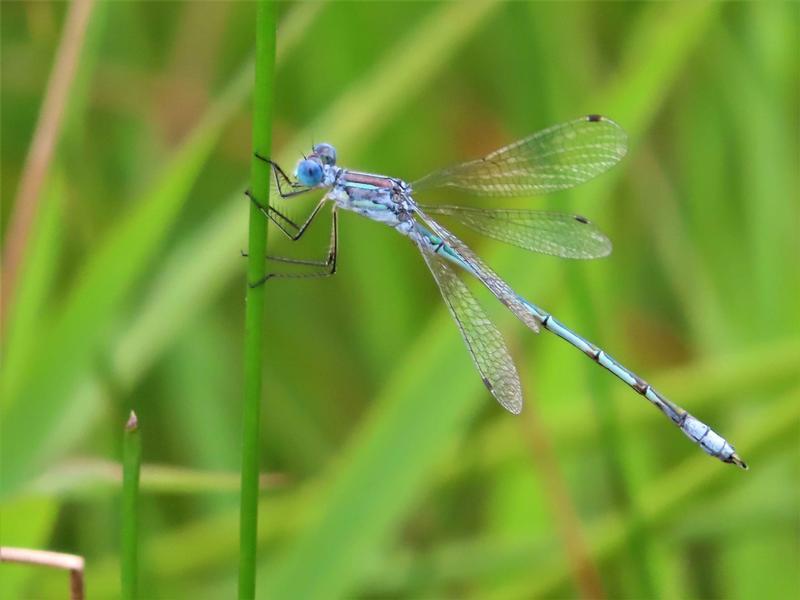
column 27, row 315
column 61, row 88
column 129, row 514
column 254, row 314
column 91, row 479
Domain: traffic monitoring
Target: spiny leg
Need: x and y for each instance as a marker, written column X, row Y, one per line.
column 271, row 213
column 279, row 174
column 329, row 263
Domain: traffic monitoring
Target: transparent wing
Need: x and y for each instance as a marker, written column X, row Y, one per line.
column 555, row 158
column 458, row 250
column 484, row 341
column 559, row 234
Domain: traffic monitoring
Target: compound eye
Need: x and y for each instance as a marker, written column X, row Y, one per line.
column 326, row 153
column 309, row 173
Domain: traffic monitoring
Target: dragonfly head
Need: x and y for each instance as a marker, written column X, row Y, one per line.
column 311, row 170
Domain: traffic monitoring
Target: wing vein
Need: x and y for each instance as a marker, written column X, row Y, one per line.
column 555, row 158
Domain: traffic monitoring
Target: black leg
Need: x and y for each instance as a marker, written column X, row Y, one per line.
column 300, row 230
column 329, row 264
column 279, row 174
column 274, row 215
column 300, row 261
column 268, row 211
column 293, row 261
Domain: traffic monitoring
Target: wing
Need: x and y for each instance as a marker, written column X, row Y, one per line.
column 484, row 341
column 559, row 234
column 555, row 158
column 446, row 242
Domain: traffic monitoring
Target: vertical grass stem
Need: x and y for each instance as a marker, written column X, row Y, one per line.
column 254, row 311
column 131, row 463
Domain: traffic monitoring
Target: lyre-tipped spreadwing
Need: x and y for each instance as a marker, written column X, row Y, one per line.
column 557, row 158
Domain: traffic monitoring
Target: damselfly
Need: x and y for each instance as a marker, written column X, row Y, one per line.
column 556, row 158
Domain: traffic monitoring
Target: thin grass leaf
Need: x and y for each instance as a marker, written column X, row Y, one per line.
column 28, row 311
column 129, row 511
column 45, row 140
column 88, row 478
column 255, row 299
column 27, row 317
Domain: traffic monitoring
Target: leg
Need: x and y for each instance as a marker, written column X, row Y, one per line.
column 329, row 263
column 293, row 261
column 268, row 211
column 274, row 216
column 271, row 213
column 279, row 175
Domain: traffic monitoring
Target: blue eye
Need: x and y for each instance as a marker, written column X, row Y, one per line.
column 309, row 173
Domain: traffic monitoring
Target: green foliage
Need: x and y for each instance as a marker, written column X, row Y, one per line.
column 399, row 476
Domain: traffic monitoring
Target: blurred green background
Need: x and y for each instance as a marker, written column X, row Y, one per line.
column 391, row 472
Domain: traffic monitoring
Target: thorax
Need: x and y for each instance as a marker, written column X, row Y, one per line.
column 378, row 197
